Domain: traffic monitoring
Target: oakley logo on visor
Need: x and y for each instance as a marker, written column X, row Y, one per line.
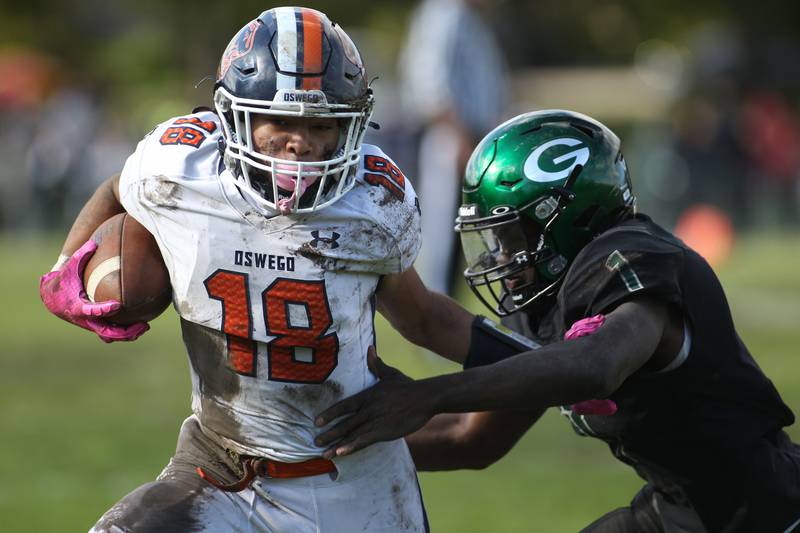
column 468, row 210
column 542, row 170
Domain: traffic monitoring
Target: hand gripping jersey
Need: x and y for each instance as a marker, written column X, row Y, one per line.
column 708, row 428
column 276, row 311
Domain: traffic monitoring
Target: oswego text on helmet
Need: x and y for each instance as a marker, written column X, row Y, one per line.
column 311, row 98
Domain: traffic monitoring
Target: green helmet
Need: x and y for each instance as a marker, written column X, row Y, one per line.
column 537, row 189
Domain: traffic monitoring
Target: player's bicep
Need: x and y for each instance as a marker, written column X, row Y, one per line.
column 426, row 318
column 399, row 296
column 403, row 300
column 496, row 432
column 630, row 337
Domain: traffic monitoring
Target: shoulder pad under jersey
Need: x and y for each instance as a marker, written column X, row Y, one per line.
column 380, row 216
column 185, row 147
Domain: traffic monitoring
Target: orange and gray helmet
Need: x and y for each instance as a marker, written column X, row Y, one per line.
column 292, row 62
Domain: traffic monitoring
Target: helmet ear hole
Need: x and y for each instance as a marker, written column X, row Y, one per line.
column 586, row 129
column 510, row 183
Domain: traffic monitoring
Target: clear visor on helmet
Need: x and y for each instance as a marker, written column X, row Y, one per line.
column 496, row 251
column 286, row 180
column 502, row 252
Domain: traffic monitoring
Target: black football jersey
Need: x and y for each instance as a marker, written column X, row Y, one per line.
column 709, row 431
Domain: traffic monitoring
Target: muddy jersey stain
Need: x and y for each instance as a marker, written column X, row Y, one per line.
column 258, row 220
column 160, row 190
column 388, row 198
column 399, row 500
column 207, row 352
column 315, row 256
column 327, row 392
column 196, row 449
column 156, row 507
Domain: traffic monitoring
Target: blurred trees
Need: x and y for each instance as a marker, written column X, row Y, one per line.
column 137, row 63
column 129, row 50
column 137, row 55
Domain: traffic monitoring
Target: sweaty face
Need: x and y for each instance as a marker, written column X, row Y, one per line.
column 522, row 283
column 501, row 250
column 505, row 254
column 295, row 138
column 520, row 279
column 301, row 139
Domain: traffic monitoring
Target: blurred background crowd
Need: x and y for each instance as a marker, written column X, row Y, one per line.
column 706, row 96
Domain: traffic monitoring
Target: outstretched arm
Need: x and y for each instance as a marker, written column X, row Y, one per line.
column 557, row 374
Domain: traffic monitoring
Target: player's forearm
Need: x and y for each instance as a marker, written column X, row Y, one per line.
column 468, row 440
column 443, row 449
column 103, row 205
column 549, row 376
column 437, row 446
column 447, row 328
column 561, row 373
column 424, row 317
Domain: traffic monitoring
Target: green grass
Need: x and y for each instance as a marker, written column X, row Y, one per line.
column 83, row 422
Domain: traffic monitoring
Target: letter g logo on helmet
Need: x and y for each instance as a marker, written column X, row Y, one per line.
column 533, row 165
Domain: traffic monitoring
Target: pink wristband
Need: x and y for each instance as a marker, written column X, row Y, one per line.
column 582, row 328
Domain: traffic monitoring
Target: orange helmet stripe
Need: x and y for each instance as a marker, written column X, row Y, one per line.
column 312, row 48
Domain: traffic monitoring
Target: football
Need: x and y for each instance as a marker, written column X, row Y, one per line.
column 127, row 267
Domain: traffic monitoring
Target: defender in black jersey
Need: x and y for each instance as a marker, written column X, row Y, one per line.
column 652, row 365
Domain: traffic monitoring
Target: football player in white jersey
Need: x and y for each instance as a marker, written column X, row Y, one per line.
column 283, row 235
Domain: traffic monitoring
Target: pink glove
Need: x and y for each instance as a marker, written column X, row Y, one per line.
column 581, row 328
column 63, row 294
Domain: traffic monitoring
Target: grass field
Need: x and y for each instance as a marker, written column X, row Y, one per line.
column 83, row 423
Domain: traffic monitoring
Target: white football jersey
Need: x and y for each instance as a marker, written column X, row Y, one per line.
column 277, row 311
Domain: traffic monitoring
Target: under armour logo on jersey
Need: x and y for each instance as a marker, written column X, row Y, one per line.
column 543, row 170
column 331, row 241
